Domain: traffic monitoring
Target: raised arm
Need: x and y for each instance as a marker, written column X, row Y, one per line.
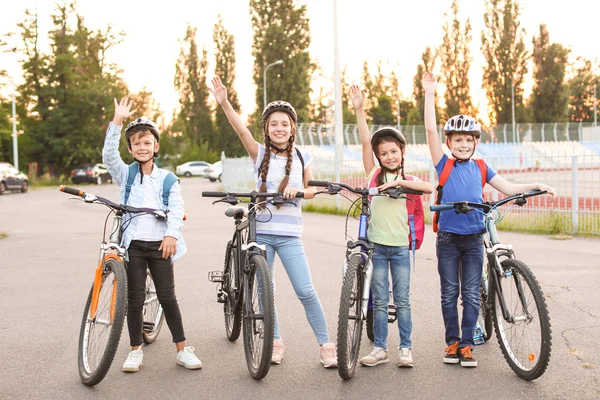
column 508, row 188
column 220, row 92
column 357, row 98
column 435, row 147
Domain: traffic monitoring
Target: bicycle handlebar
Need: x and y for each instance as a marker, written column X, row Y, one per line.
column 335, row 187
column 299, row 195
column 467, row 206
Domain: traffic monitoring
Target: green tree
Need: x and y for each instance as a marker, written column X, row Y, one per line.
column 581, row 87
column 550, row 97
column 455, row 63
column 281, row 32
column 194, row 118
column 66, row 92
column 416, row 115
column 225, row 68
column 503, row 46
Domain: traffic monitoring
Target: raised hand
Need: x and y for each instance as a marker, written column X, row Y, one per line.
column 356, row 96
column 218, row 90
column 122, row 110
column 429, row 82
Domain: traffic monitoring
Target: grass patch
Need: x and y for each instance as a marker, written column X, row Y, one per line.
column 3, row 235
column 48, row 181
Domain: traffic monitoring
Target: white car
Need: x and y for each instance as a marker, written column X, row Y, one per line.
column 214, row 172
column 192, row 168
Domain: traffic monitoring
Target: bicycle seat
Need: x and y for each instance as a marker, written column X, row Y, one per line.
column 236, row 212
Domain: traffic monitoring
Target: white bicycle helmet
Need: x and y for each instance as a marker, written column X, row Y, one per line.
column 141, row 124
column 463, row 124
column 279, row 105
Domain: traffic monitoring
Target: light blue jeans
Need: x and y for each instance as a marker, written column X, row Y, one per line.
column 397, row 260
column 291, row 253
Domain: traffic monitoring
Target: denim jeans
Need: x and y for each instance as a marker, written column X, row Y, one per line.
column 144, row 255
column 395, row 259
column 291, row 253
column 460, row 263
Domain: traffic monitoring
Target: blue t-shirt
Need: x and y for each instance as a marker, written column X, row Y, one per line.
column 463, row 184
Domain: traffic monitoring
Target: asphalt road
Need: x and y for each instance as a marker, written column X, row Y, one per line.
column 46, row 268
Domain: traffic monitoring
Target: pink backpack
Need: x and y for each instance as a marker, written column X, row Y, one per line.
column 416, row 216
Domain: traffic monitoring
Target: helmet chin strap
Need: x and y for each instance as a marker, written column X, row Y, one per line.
column 140, row 167
column 279, row 150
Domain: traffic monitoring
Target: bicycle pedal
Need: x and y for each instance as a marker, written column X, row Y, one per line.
column 148, row 327
column 392, row 314
column 215, row 276
column 478, row 337
column 221, row 297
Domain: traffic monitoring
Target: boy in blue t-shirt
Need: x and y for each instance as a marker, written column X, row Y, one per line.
column 459, row 241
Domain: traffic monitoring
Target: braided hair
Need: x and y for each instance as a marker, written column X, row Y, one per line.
column 382, row 176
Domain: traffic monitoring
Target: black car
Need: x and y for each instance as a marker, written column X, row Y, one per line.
column 92, row 173
column 12, row 179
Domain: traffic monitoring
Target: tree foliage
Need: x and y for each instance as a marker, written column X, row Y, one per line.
column 227, row 138
column 281, row 32
column 503, row 46
column 455, row 63
column 581, row 87
column 550, row 97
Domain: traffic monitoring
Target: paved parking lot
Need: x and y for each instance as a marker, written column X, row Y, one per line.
column 47, row 262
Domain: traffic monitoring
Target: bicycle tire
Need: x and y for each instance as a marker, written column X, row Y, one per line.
column 485, row 312
column 153, row 313
column 99, row 338
column 232, row 307
column 258, row 318
column 370, row 333
column 526, row 344
column 349, row 333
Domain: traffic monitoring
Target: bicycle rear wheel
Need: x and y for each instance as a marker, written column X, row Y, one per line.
column 525, row 339
column 485, row 313
column 232, row 307
column 99, row 336
column 152, row 312
column 350, row 318
column 259, row 318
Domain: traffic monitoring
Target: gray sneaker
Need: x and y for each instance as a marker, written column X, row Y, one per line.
column 406, row 360
column 377, row 356
column 134, row 360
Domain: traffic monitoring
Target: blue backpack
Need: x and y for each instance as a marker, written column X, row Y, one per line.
column 170, row 179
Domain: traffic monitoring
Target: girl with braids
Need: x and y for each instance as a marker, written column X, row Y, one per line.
column 279, row 168
column 388, row 231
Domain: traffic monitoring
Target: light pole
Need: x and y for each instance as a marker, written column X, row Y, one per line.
column 595, row 101
column 512, row 103
column 278, row 62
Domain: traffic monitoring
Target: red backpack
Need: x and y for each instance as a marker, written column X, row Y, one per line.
column 444, row 178
column 416, row 215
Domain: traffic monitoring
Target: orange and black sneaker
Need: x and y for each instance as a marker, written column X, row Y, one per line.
column 466, row 357
column 451, row 356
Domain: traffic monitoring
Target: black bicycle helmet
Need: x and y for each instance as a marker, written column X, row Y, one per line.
column 279, row 105
column 141, row 124
column 386, row 131
column 463, row 124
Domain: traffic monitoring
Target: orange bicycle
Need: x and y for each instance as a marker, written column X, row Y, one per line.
column 106, row 306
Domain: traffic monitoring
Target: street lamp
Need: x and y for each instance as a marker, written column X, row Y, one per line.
column 278, row 62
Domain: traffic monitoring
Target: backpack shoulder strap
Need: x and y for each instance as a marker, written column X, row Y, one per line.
column 483, row 168
column 373, row 181
column 131, row 173
column 170, row 179
column 301, row 160
column 446, row 171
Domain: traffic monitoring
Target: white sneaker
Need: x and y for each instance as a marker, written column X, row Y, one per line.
column 378, row 356
column 134, row 361
column 188, row 359
column 406, row 360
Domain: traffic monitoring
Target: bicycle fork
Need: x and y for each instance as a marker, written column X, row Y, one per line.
column 368, row 275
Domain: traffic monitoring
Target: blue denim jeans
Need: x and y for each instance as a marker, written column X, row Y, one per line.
column 460, row 263
column 397, row 260
column 291, row 253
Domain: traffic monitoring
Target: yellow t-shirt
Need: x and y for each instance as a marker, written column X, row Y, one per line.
column 389, row 218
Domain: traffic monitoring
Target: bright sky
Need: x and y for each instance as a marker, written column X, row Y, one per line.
column 390, row 30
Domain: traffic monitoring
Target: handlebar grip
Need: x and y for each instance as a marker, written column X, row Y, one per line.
column 441, row 207
column 213, row 194
column 412, row 191
column 318, row 183
column 69, row 190
column 300, row 195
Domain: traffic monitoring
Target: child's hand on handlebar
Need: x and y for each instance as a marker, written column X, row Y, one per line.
column 290, row 193
column 548, row 189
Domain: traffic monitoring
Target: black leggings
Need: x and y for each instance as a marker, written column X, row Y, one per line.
column 143, row 255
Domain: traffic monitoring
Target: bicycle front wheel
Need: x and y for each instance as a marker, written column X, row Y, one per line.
column 232, row 307
column 485, row 312
column 350, row 318
column 100, row 333
column 152, row 312
column 259, row 318
column 525, row 337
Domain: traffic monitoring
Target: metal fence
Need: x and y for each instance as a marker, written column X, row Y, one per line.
column 572, row 168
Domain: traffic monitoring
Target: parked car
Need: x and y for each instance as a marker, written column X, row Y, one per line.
column 91, row 173
column 12, row 179
column 192, row 168
column 214, row 171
